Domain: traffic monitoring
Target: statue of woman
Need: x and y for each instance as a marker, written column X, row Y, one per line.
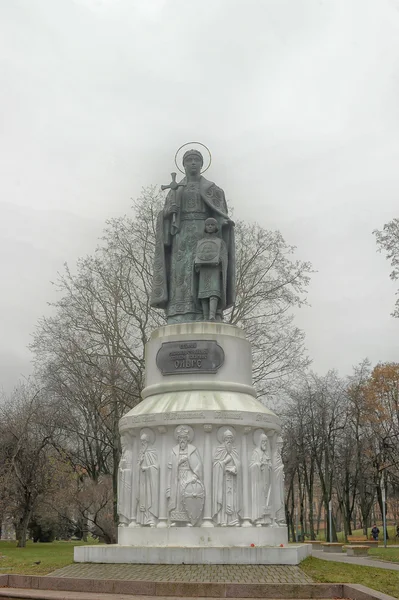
column 180, row 226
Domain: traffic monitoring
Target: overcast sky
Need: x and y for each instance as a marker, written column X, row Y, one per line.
column 297, row 99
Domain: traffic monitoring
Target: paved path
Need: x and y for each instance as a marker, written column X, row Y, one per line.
column 355, row 560
column 184, row 573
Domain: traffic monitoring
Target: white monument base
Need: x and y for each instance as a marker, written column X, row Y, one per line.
column 194, row 555
column 201, row 476
column 202, row 537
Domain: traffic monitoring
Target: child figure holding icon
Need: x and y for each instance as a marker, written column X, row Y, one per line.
column 210, row 264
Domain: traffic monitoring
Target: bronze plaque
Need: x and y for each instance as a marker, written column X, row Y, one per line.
column 197, row 356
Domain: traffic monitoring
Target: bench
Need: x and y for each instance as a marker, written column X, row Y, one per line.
column 357, row 550
column 316, row 544
column 369, row 543
column 357, row 538
column 332, row 547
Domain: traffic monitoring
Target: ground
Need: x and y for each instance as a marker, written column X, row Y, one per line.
column 41, row 559
column 333, row 572
column 24, row 561
column 391, row 554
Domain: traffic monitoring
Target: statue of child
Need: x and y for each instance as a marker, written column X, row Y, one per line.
column 210, row 263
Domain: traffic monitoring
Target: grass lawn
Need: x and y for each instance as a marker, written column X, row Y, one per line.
column 324, row 571
column 52, row 556
column 391, row 554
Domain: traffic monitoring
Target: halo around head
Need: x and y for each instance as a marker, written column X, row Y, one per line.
column 184, row 431
column 192, row 146
column 222, row 430
column 149, row 433
column 258, row 433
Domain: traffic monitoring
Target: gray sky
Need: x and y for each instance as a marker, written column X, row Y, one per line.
column 297, row 99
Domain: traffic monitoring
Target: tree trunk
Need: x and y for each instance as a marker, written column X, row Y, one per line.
column 319, row 517
column 22, row 528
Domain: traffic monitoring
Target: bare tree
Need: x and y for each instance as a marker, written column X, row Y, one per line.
column 270, row 284
column 388, row 240
column 90, row 353
column 28, row 428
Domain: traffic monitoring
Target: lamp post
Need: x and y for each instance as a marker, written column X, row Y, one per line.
column 330, row 519
column 384, row 517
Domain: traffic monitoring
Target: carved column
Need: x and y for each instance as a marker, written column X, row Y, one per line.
column 135, row 452
column 163, row 464
column 246, row 514
column 207, row 522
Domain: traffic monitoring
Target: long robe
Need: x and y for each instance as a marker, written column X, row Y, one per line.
column 125, row 474
column 147, row 487
column 260, row 485
column 279, row 488
column 176, row 241
column 210, row 279
column 179, row 476
column 226, row 488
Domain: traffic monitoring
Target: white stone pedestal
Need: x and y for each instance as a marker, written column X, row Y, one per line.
column 201, row 477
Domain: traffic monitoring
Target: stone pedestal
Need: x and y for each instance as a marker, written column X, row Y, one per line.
column 201, row 477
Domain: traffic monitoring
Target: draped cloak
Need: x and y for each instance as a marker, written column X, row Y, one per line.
column 219, row 491
column 195, row 464
column 125, row 484
column 148, row 487
column 279, row 488
column 169, row 227
column 260, row 484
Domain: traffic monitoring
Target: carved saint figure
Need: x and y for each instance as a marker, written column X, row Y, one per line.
column 226, row 492
column 185, row 466
column 125, row 472
column 279, row 484
column 148, row 483
column 210, row 263
column 260, row 477
column 179, row 227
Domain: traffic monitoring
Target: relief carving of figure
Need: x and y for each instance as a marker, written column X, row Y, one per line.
column 260, row 469
column 125, row 473
column 185, row 467
column 180, row 226
column 279, row 484
column 148, row 483
column 210, row 264
column 226, row 492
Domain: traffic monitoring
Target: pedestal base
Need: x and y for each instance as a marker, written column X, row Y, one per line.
column 220, row 537
column 261, row 555
column 202, row 450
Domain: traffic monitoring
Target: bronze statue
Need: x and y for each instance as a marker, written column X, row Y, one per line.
column 180, row 226
column 210, row 263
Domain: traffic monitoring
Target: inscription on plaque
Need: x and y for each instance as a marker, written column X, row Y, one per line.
column 199, row 356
